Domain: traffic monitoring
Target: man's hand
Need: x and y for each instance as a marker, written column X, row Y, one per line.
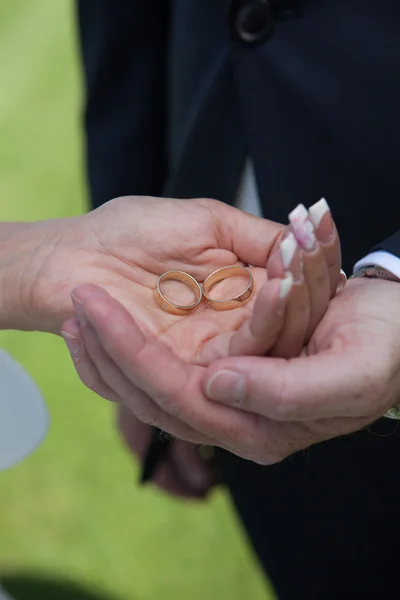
column 265, row 408
column 347, row 377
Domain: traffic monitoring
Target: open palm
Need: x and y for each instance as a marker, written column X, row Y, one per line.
column 133, row 240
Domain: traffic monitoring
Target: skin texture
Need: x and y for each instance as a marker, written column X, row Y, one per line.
column 118, row 252
column 260, row 334
column 339, row 384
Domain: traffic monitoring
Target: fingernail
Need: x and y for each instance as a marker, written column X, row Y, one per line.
column 286, row 286
column 342, row 281
column 227, row 387
column 73, row 344
column 320, row 215
column 291, row 259
column 80, row 313
column 317, row 212
column 288, row 249
column 303, row 228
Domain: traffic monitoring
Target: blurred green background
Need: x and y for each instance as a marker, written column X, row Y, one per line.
column 72, row 511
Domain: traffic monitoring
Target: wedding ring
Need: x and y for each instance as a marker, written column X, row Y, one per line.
column 235, row 301
column 172, row 307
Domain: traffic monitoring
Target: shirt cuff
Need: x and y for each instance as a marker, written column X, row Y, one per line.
column 383, row 259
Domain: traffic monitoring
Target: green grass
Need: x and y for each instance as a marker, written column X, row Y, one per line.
column 72, row 510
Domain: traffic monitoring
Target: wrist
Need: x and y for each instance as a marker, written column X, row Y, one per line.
column 24, row 251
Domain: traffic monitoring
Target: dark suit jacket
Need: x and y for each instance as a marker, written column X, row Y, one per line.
column 175, row 102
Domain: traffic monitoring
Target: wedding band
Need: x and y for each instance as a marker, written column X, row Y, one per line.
column 172, row 307
column 229, row 303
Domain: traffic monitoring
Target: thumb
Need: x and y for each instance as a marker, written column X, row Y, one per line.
column 250, row 238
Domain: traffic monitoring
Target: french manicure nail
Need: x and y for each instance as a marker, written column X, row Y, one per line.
column 73, row 344
column 303, row 228
column 227, row 387
column 320, row 215
column 317, row 212
column 288, row 249
column 286, row 286
column 342, row 281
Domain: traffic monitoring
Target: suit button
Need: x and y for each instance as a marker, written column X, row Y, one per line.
column 254, row 21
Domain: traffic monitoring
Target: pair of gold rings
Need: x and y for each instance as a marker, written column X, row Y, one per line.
column 204, row 291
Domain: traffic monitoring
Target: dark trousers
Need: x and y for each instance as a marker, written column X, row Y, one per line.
column 325, row 522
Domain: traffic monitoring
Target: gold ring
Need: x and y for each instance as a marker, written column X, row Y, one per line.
column 236, row 301
column 172, row 307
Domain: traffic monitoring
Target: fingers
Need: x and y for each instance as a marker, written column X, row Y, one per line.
column 297, row 315
column 98, row 371
column 326, row 385
column 315, row 269
column 258, row 333
column 84, row 366
column 328, row 238
column 280, row 440
column 250, row 238
column 173, row 385
column 300, row 251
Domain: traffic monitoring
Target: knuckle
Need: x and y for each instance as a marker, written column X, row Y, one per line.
column 266, row 455
column 285, row 403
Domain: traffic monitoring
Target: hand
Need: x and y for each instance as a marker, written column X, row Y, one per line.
column 347, row 377
column 127, row 243
column 183, row 472
column 310, row 247
column 99, row 372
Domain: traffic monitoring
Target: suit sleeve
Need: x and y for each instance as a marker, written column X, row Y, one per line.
column 386, row 255
column 123, row 48
column 391, row 244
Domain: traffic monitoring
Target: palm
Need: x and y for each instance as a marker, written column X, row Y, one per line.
column 188, row 336
column 195, row 237
column 356, row 318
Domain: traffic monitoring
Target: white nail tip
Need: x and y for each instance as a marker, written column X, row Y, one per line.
column 317, row 211
column 286, row 286
column 288, row 249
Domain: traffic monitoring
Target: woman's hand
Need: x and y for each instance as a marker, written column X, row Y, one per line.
column 125, row 245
